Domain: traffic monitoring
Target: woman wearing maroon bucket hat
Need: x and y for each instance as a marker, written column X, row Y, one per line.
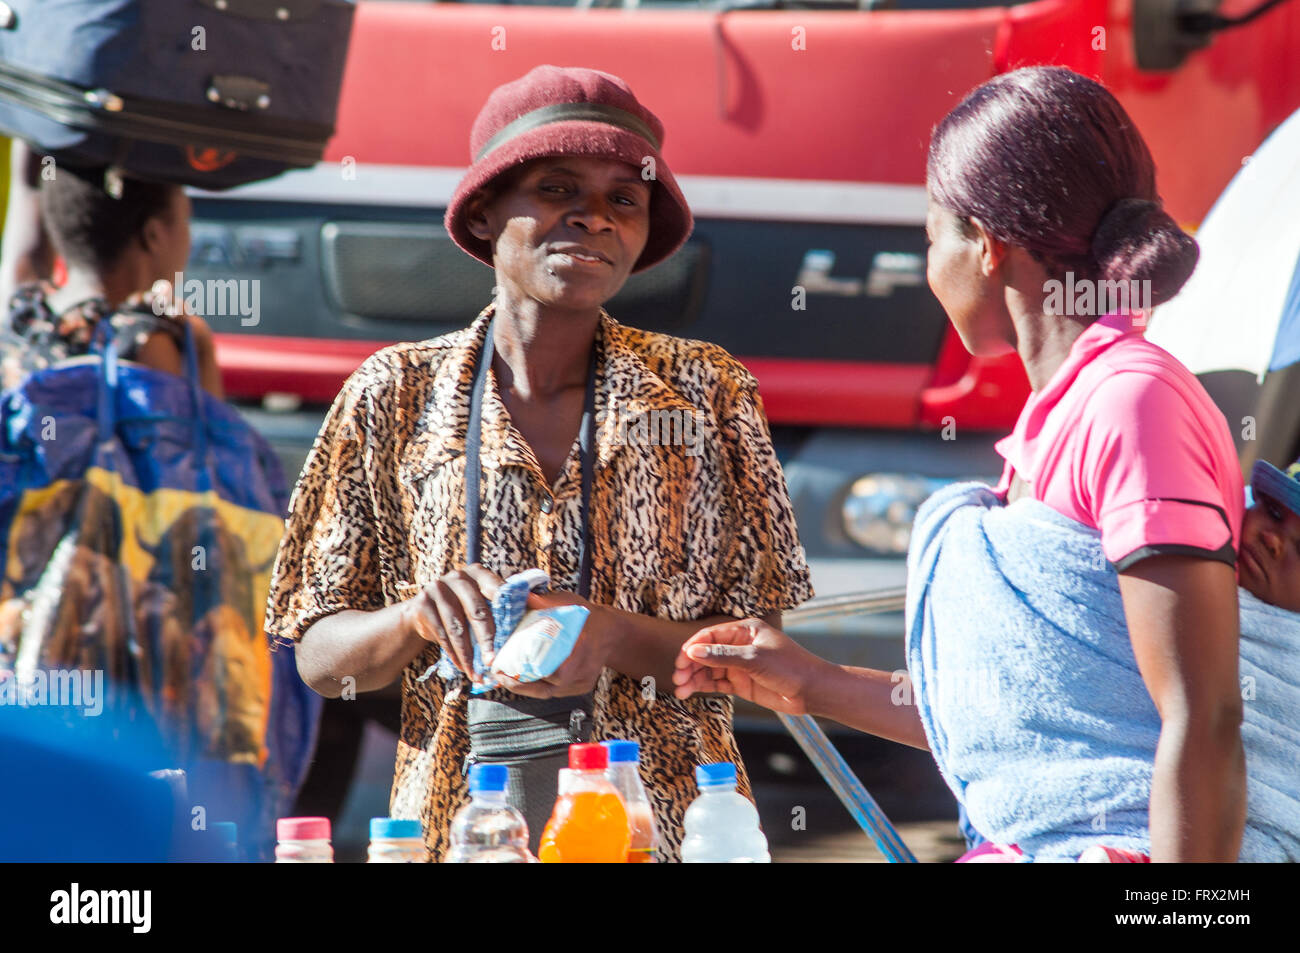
column 447, row 465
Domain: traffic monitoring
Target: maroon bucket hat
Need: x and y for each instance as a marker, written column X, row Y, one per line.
column 559, row 111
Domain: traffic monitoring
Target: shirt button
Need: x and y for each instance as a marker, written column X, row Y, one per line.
column 548, row 503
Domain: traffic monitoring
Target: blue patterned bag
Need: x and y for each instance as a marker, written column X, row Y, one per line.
column 139, row 522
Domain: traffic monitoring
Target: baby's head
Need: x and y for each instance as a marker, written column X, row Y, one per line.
column 1268, row 565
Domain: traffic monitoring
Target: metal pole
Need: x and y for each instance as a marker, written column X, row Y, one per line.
column 830, row 764
column 856, row 603
column 851, row 792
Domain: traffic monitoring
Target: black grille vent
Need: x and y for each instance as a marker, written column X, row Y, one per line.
column 388, row 271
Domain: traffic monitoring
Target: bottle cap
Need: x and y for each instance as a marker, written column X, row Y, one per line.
column 391, row 828
column 715, row 775
column 302, row 828
column 588, row 758
column 622, row 751
column 487, row 777
column 226, row 832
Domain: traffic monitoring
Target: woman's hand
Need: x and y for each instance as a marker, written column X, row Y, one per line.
column 454, row 609
column 578, row 673
column 750, row 659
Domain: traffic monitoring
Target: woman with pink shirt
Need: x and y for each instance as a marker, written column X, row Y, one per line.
column 1039, row 177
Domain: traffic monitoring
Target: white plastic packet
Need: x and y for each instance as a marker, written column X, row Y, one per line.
column 540, row 643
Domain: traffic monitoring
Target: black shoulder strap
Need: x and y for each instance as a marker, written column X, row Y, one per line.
column 473, row 437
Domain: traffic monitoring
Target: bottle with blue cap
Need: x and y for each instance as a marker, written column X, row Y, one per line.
column 396, row 840
column 624, row 772
column 488, row 830
column 722, row 824
column 216, row 843
column 226, row 835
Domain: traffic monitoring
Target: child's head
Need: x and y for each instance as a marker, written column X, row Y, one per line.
column 1269, row 563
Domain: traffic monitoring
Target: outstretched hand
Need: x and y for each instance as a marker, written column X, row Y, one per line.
column 749, row 659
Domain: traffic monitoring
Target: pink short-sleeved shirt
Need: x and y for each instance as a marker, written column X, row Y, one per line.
column 1126, row 440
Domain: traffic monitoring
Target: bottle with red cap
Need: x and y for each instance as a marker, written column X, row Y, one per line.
column 303, row 840
column 589, row 824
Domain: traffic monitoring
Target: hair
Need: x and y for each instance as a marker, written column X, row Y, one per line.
column 91, row 228
column 1049, row 161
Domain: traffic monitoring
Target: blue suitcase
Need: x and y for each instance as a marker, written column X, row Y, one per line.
column 210, row 93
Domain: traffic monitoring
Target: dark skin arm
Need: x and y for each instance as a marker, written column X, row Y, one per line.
column 635, row 645
column 371, row 647
column 374, row 647
column 453, row 612
column 159, row 351
column 754, row 660
column 1183, row 622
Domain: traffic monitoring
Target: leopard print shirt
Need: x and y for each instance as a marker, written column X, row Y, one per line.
column 690, row 517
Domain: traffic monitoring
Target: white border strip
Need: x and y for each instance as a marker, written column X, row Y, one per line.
column 787, row 200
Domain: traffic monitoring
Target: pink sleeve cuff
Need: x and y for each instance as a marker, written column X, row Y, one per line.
column 1144, row 528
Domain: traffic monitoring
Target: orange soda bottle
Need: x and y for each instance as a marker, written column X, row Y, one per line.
column 624, row 772
column 589, row 824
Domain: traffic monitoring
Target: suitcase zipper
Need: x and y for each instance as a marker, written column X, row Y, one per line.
column 293, row 141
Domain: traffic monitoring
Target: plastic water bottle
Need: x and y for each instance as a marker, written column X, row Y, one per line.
column 396, row 840
column 303, row 840
column 488, row 830
column 624, row 773
column 722, row 825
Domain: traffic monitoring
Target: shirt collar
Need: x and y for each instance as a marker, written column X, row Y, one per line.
column 626, row 387
column 1019, row 447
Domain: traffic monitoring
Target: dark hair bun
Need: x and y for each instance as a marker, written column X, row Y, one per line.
column 1137, row 240
column 91, row 227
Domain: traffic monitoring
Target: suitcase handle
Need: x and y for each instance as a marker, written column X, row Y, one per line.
column 239, row 92
column 273, row 10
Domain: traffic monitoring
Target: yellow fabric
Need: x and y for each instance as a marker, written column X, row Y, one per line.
column 219, row 712
column 5, row 146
